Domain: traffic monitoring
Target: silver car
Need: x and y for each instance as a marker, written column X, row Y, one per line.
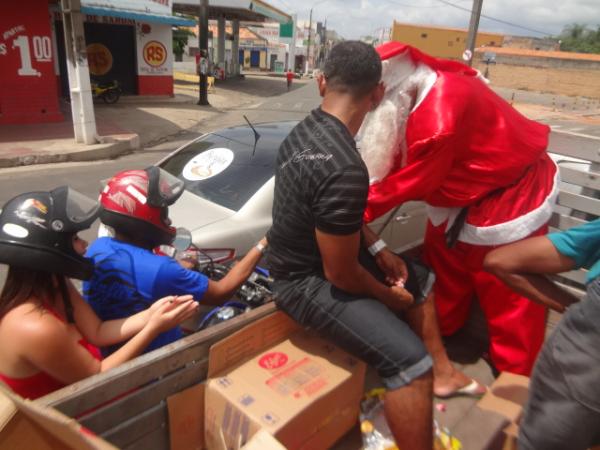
column 229, row 181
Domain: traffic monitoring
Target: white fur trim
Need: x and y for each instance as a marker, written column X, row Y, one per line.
column 438, row 215
column 514, row 229
column 382, row 137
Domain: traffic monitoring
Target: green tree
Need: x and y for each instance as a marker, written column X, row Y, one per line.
column 180, row 40
column 577, row 37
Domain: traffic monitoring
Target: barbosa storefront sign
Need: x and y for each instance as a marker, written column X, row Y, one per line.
column 143, row 6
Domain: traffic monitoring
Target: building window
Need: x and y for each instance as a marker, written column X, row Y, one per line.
column 458, row 39
column 423, row 35
column 493, row 43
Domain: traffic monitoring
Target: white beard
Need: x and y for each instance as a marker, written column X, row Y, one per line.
column 382, row 136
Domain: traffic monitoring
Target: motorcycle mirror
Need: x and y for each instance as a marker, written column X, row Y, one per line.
column 183, row 239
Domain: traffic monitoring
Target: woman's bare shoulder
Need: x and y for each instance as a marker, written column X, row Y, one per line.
column 30, row 321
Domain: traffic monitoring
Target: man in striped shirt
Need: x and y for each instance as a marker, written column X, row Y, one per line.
column 324, row 277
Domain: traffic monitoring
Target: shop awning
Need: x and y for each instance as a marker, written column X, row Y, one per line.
column 244, row 10
column 140, row 16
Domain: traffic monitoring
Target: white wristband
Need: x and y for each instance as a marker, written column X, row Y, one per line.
column 377, row 247
column 261, row 248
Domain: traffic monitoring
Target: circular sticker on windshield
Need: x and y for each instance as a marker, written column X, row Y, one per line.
column 208, row 164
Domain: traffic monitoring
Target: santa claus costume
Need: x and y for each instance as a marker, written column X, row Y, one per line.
column 441, row 135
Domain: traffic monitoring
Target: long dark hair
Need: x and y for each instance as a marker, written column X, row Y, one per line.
column 22, row 284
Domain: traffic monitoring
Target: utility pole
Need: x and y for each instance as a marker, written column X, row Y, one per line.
column 292, row 53
column 203, row 46
column 309, row 33
column 473, row 26
column 82, row 108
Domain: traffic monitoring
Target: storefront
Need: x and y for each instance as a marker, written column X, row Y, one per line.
column 28, row 89
column 126, row 40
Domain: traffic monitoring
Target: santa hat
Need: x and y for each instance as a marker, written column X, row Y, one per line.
column 391, row 49
column 408, row 75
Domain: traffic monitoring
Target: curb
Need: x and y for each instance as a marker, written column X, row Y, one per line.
column 106, row 150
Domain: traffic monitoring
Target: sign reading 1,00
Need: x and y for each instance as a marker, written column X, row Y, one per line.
column 42, row 52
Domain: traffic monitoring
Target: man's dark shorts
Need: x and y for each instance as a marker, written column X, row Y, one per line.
column 563, row 410
column 363, row 327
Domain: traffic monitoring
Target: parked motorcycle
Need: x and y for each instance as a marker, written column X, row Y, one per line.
column 109, row 92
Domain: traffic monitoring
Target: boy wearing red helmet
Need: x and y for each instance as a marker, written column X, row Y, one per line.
column 128, row 277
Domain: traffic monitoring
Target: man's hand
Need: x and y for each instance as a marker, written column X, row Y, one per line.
column 393, row 267
column 399, row 299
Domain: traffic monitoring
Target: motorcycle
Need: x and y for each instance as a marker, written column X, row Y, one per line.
column 254, row 292
column 109, row 92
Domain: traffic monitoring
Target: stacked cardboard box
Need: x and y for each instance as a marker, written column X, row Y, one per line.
column 24, row 425
column 271, row 385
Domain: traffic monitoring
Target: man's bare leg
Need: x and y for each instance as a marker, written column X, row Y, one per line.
column 409, row 414
column 446, row 379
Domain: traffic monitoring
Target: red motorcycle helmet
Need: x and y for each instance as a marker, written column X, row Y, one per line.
column 136, row 204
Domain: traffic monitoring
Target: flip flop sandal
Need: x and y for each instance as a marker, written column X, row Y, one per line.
column 473, row 389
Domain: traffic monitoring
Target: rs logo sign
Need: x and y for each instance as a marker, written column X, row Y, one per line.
column 155, row 53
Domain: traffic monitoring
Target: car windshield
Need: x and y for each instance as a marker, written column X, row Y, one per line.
column 221, row 167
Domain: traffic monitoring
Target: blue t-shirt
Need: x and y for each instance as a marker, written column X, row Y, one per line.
column 127, row 279
column 582, row 245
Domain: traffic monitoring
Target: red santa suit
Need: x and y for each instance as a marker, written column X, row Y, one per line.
column 442, row 136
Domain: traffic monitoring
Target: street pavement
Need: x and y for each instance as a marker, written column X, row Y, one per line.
column 165, row 125
column 86, row 176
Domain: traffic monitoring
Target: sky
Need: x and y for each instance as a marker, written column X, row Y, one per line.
column 355, row 18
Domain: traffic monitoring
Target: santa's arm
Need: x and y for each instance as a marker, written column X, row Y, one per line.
column 423, row 175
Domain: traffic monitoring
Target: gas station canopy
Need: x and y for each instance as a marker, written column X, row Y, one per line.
column 243, row 10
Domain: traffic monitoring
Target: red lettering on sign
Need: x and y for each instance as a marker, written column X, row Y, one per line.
column 273, row 360
column 155, row 53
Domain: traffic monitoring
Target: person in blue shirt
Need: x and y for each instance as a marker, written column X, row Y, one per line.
column 563, row 409
column 128, row 277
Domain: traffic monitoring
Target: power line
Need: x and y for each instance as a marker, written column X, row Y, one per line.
column 412, row 6
column 286, row 5
column 495, row 19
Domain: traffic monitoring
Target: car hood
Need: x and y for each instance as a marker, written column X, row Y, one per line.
column 193, row 212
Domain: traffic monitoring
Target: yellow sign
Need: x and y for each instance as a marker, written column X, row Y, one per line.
column 155, row 53
column 100, row 59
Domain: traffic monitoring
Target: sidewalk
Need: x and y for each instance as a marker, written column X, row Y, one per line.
column 133, row 122
column 55, row 142
column 146, row 121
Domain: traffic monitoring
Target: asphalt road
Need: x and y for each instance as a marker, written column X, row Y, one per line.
column 86, row 177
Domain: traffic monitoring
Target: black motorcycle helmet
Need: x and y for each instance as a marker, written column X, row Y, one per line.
column 37, row 229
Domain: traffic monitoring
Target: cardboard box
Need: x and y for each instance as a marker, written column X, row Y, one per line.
column 26, row 425
column 263, row 441
column 186, row 418
column 507, row 396
column 276, row 377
